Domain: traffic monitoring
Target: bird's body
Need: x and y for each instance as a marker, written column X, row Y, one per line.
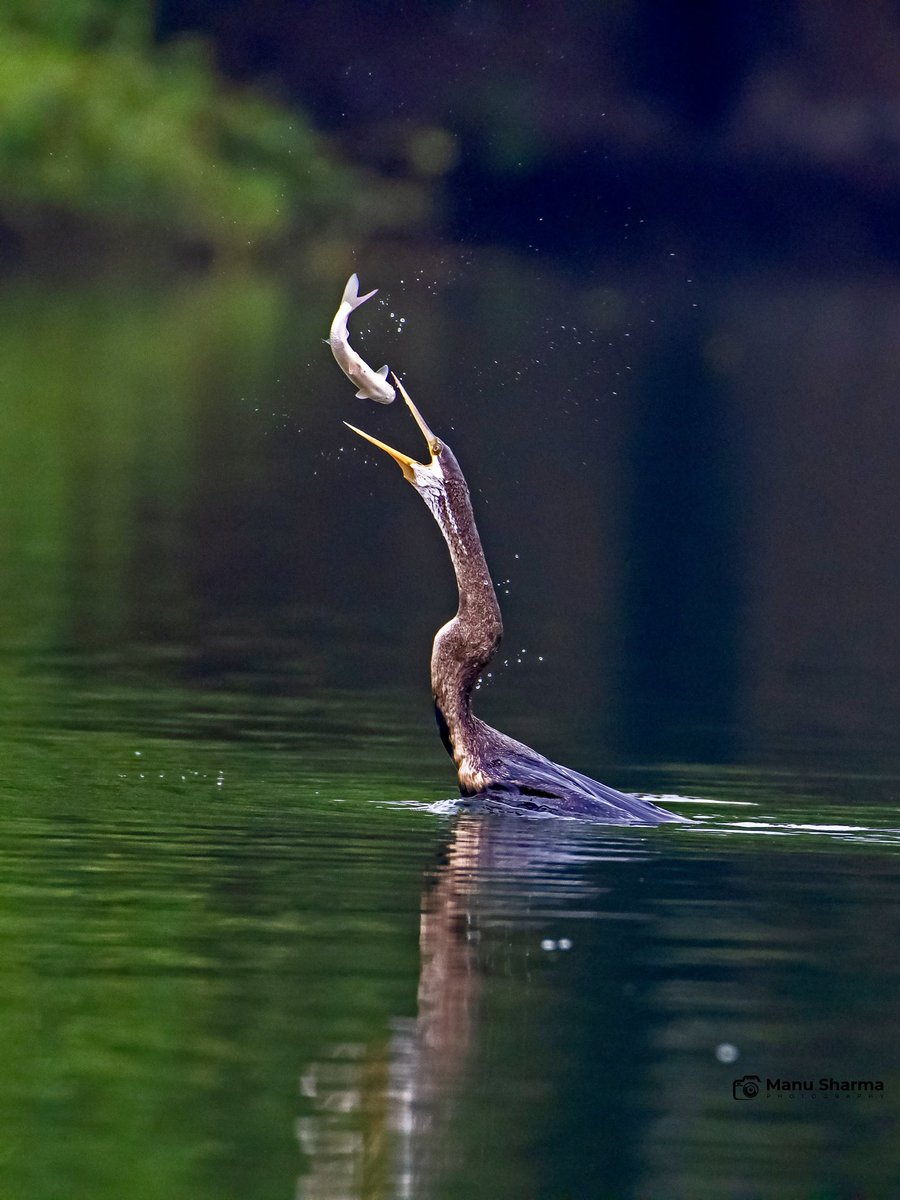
column 494, row 770
column 373, row 385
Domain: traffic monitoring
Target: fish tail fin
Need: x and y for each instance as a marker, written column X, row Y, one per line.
column 351, row 293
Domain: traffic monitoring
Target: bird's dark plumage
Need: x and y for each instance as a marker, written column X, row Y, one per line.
column 494, row 770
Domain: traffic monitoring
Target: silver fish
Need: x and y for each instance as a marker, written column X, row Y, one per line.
column 373, row 385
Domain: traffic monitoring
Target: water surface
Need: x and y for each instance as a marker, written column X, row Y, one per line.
column 247, row 948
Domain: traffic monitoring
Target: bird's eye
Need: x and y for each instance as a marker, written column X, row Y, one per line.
column 436, row 448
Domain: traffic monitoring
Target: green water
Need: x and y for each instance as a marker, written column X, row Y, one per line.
column 246, row 950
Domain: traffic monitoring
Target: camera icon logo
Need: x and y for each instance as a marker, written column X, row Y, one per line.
column 746, row 1088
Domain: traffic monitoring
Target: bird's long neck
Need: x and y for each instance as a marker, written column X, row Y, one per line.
column 464, row 646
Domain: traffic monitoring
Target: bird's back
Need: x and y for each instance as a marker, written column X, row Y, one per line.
column 521, row 780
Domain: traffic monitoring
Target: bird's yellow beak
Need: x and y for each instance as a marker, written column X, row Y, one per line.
column 405, row 463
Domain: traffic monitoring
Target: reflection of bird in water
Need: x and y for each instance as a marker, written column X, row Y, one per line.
column 492, row 767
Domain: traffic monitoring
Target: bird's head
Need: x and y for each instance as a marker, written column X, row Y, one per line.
column 442, row 485
column 439, row 481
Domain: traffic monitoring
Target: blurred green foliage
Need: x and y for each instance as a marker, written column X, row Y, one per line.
column 101, row 130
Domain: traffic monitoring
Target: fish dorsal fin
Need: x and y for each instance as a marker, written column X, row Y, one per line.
column 383, row 371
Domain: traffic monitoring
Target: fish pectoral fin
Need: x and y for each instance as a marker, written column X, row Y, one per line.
column 363, row 394
column 383, row 371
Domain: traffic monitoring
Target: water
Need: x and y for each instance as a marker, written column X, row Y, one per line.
column 246, row 950
column 229, row 970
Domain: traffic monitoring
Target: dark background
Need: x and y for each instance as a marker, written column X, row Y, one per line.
column 767, row 129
